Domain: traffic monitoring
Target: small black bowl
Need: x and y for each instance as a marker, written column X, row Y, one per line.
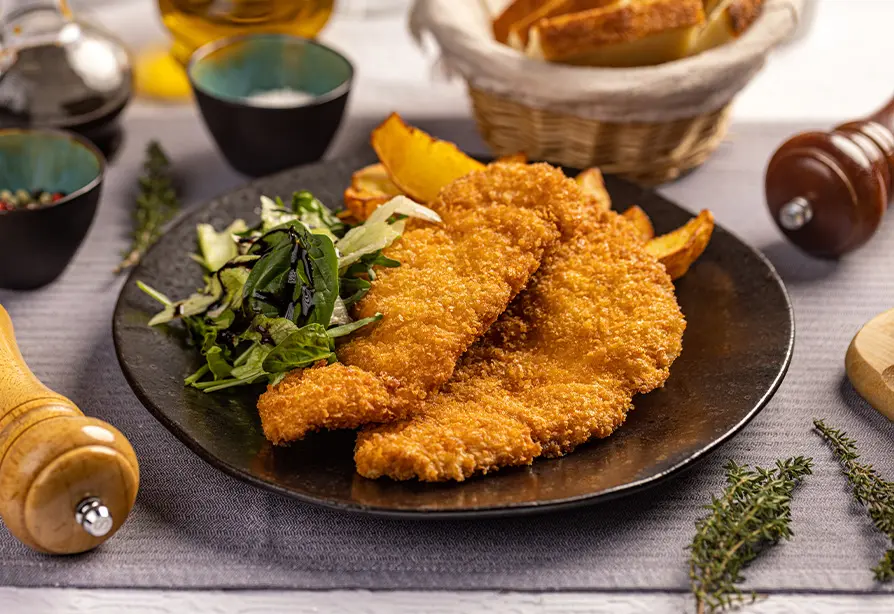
column 249, row 89
column 37, row 244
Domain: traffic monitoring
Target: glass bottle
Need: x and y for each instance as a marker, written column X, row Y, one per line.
column 59, row 71
column 193, row 23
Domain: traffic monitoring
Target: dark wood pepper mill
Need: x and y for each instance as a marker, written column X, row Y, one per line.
column 828, row 191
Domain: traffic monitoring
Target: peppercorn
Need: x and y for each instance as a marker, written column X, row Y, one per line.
column 23, row 199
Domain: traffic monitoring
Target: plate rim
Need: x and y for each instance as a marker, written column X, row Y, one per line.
column 512, row 509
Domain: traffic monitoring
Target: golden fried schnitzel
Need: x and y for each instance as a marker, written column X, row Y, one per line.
column 455, row 279
column 599, row 324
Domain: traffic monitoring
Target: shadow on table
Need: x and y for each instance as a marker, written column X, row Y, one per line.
column 796, row 267
column 868, row 415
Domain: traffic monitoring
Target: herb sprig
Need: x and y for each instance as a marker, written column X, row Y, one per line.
column 753, row 512
column 157, row 204
column 870, row 489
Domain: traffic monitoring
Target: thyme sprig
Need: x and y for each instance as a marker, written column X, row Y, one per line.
column 870, row 489
column 157, row 203
column 753, row 512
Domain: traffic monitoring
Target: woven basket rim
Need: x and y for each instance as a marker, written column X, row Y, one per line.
column 688, row 86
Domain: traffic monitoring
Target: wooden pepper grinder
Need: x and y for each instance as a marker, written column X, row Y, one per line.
column 67, row 482
column 828, row 191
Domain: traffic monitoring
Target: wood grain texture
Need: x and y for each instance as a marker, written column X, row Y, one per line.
column 70, row 601
column 870, row 363
column 52, row 457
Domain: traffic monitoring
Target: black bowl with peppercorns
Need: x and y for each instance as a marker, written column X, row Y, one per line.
column 50, row 182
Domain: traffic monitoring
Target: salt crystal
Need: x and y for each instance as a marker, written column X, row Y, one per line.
column 280, row 98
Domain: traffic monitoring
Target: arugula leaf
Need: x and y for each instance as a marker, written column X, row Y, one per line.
column 315, row 215
column 302, row 348
column 263, row 289
column 324, row 266
column 347, row 329
column 152, row 292
column 218, row 248
column 197, row 303
column 274, row 214
column 353, row 289
column 270, row 330
column 297, row 278
column 217, row 364
column 195, row 377
column 355, row 280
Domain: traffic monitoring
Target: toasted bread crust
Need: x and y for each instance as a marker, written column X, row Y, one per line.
column 521, row 28
column 743, row 13
column 516, row 11
column 578, row 33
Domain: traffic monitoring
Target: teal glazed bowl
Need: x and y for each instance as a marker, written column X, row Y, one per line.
column 271, row 101
column 36, row 245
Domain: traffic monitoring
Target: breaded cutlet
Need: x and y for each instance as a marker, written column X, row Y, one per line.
column 599, row 324
column 454, row 280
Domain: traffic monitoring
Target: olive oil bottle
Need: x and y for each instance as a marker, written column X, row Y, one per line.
column 193, row 23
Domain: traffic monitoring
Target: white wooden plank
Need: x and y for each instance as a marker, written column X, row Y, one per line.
column 71, row 601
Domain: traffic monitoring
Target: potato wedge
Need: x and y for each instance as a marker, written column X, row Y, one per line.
column 591, row 182
column 640, row 221
column 516, row 158
column 417, row 163
column 677, row 250
column 370, row 187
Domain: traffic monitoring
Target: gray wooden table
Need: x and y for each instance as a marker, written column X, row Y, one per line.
column 835, row 68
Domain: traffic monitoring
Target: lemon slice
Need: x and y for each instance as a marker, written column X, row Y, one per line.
column 160, row 76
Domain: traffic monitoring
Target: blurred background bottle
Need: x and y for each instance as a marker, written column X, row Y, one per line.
column 192, row 23
column 58, row 70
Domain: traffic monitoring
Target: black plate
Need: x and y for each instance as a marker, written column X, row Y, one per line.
column 736, row 350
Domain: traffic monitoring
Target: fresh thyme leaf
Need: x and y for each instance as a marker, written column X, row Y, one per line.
column 753, row 512
column 157, row 203
column 870, row 489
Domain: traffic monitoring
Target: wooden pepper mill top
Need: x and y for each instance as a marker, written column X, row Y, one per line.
column 67, row 482
column 828, row 191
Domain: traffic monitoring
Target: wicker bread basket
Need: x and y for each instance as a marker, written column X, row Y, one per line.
column 648, row 124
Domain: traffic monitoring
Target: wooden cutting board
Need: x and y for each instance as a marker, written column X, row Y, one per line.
column 870, row 363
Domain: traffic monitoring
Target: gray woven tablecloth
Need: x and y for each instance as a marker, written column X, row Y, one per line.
column 194, row 527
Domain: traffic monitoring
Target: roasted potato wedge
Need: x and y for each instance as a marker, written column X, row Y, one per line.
column 370, row 187
column 591, row 182
column 677, row 250
column 516, row 158
column 418, row 164
column 640, row 221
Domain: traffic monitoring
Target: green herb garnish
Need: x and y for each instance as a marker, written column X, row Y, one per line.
column 753, row 512
column 870, row 489
column 276, row 296
column 157, row 204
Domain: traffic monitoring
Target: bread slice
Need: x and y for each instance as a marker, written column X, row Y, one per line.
column 518, row 31
column 626, row 33
column 726, row 22
column 515, row 12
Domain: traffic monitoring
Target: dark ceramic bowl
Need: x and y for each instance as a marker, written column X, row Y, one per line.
column 36, row 245
column 231, row 78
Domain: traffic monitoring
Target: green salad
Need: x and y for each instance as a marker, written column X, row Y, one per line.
column 276, row 295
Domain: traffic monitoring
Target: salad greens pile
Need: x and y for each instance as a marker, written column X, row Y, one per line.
column 276, row 295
